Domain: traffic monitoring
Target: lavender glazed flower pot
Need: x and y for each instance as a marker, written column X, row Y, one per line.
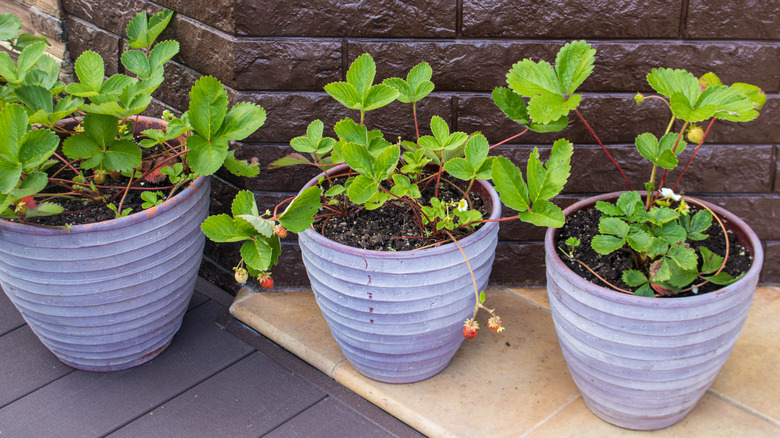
column 639, row 362
column 398, row 316
column 109, row 295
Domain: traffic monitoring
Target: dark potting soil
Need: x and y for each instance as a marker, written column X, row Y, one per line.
column 81, row 211
column 584, row 224
column 393, row 227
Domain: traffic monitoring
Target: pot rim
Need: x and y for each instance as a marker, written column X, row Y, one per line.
column 744, row 234
column 111, row 223
column 442, row 249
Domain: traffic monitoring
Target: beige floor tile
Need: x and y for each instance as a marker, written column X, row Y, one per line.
column 496, row 385
column 750, row 375
column 536, row 295
column 712, row 417
column 292, row 320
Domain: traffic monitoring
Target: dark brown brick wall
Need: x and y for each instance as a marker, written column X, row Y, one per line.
column 280, row 54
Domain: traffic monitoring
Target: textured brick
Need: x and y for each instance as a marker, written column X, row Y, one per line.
column 219, row 276
column 777, row 169
column 50, row 7
column 83, row 36
column 518, row 264
column 48, row 25
column 111, row 16
column 174, row 91
column 571, row 18
column 771, row 271
column 741, row 19
column 344, row 18
column 206, row 50
column 287, row 65
column 482, row 65
column 290, row 113
column 615, row 118
column 216, row 13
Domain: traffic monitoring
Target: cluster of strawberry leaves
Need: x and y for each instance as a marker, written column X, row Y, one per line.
column 32, row 101
column 655, row 232
column 381, row 170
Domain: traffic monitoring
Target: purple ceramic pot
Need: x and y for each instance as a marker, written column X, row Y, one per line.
column 639, row 362
column 398, row 316
column 109, row 295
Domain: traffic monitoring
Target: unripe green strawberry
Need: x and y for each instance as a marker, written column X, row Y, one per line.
column 695, row 134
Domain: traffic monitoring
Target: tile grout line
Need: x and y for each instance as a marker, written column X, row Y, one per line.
column 744, row 407
column 511, row 292
column 552, row 414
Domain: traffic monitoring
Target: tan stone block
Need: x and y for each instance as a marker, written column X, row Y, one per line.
column 534, row 295
column 51, row 7
column 712, row 417
column 750, row 376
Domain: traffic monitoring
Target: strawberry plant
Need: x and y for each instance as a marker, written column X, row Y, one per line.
column 380, row 171
column 655, row 233
column 38, row 172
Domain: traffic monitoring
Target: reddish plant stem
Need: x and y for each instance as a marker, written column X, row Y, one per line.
column 509, row 139
column 416, row 125
column 158, row 166
column 604, row 149
column 68, row 164
column 278, row 205
column 694, row 154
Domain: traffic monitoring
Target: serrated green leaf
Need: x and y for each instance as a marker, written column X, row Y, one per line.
column 728, row 103
column 477, row 150
column 645, row 291
column 262, row 226
column 543, row 214
column 256, row 254
column 358, row 158
column 220, row 228
column 362, row 189
column 684, row 257
column 102, row 129
column 122, row 155
column 36, row 97
column 8, row 68
column 510, row 185
column 29, row 56
column 348, row 130
column 404, row 89
column 80, row 146
column 662, row 215
column 143, row 32
column 160, row 54
column 10, row 174
column 44, row 209
column 609, row 209
column 346, row 94
column 378, row 96
column 511, row 104
column 10, row 25
column 711, row 262
column 657, row 247
column 206, row 157
column 240, row 167
column 13, row 125
column 36, row 147
column 633, row 278
column 136, row 62
column 90, row 71
column 299, row 215
column 723, row 278
column 289, row 160
column 547, row 107
column 639, row 240
column 241, row 121
column 459, row 168
column 672, row 233
column 573, row 64
column 700, row 221
column 753, row 93
column 604, row 244
column 335, row 190
column 667, row 82
column 614, row 226
column 208, row 107
column 628, row 202
column 419, row 80
column 386, row 162
column 244, row 204
column 529, row 78
column 361, row 74
column 33, row 183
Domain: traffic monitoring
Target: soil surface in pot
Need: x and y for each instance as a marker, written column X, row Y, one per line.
column 584, row 224
column 81, row 211
column 393, row 227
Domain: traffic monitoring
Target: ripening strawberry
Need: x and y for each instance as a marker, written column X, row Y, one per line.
column 241, row 275
column 495, row 324
column 470, row 329
column 280, row 231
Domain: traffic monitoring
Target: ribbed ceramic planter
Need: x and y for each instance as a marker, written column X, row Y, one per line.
column 398, row 316
column 640, row 362
column 110, row 295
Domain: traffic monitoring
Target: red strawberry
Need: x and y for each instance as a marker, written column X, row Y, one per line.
column 495, row 324
column 470, row 329
column 267, row 282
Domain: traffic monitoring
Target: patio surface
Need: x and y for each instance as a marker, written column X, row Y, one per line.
column 516, row 384
column 210, row 382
